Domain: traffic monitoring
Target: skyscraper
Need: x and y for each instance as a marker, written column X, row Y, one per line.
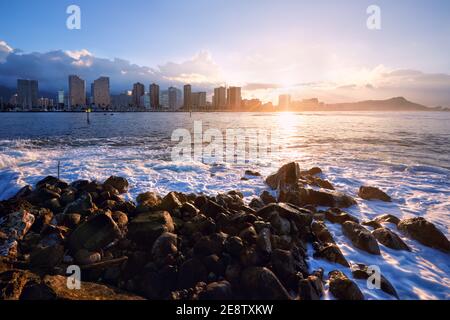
column 284, row 101
column 77, row 91
column 220, row 97
column 234, row 98
column 173, row 98
column 187, row 96
column 101, row 92
column 27, row 93
column 154, row 96
column 138, row 92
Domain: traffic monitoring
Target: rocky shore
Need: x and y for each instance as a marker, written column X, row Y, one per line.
column 188, row 246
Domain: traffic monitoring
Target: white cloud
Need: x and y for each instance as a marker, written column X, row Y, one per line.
column 5, row 50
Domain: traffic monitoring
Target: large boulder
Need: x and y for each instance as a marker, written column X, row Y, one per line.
column 360, row 237
column 84, row 205
column 332, row 253
column 372, row 193
column 361, row 271
column 387, row 218
column 94, row 234
column 119, row 183
column 287, row 176
column 335, row 215
column 146, row 227
column 304, row 196
column 425, row 232
column 12, row 283
column 262, row 284
column 343, row 288
column 310, row 288
column 301, row 217
column 217, row 291
column 321, row 232
column 390, row 239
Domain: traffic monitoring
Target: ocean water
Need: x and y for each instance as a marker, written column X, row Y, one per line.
column 405, row 154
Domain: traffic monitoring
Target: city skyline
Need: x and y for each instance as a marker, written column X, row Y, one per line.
column 306, row 50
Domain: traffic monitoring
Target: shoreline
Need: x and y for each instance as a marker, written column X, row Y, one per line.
column 188, row 247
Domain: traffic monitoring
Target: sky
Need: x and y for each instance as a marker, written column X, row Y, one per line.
column 317, row 48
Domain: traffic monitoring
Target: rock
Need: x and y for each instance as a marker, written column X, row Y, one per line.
column 325, row 184
column 145, row 228
column 303, row 197
column 285, row 267
column 372, row 193
column 94, row 234
column 67, row 197
column 321, row 232
column 310, row 288
column 311, row 172
column 46, row 257
column 387, row 218
column 170, row 202
column 37, row 291
column 71, row 220
column 165, row 245
column 23, row 192
column 267, row 198
column 301, row 217
column 149, row 197
column 260, row 283
column 263, row 243
column 211, row 208
column 214, row 264
column 16, row 225
column 52, row 181
column 234, row 246
column 252, row 173
column 250, row 257
column 83, row 205
column 217, row 291
column 119, row 183
column 87, row 291
column 372, row 223
column 361, row 271
column 286, row 177
column 249, row 235
column 13, row 281
column 256, row 203
column 120, row 218
column 425, row 232
column 191, row 272
column 338, row 216
column 189, row 210
column 360, row 237
column 84, row 257
column 43, row 217
column 390, row 239
column 332, row 253
column 281, row 225
column 343, row 288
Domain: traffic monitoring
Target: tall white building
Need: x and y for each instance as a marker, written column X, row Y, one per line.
column 77, row 91
column 100, row 92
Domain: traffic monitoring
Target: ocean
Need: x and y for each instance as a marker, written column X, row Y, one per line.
column 406, row 154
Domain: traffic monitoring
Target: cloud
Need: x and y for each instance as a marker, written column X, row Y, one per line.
column 260, row 86
column 53, row 68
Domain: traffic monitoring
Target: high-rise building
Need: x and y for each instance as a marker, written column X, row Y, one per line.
column 61, row 98
column 154, row 96
column 198, row 99
column 122, row 101
column 138, row 92
column 220, row 97
column 234, row 98
column 101, row 92
column 77, row 91
column 173, row 99
column 187, row 96
column 27, row 94
column 284, row 101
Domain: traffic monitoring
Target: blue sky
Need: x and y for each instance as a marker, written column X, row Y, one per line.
column 283, row 42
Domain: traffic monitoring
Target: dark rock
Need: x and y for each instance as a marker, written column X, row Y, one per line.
column 285, row 267
column 301, row 217
column 36, row 291
column 263, row 243
column 189, row 210
column 151, row 197
column 145, row 228
column 262, row 284
column 425, row 232
column 234, row 246
column 256, row 203
column 46, row 257
column 372, row 193
column 267, row 198
column 332, row 253
column 170, row 202
column 120, row 218
column 360, row 237
column 217, row 291
column 207, row 245
column 165, row 245
column 372, row 223
column 286, row 177
column 321, row 232
column 71, row 220
column 387, row 218
column 83, row 205
column 23, row 192
column 390, row 239
column 250, row 257
column 310, row 288
column 84, row 257
column 211, row 209
column 338, row 216
column 361, row 271
column 67, row 197
column 214, row 264
column 119, row 183
column 43, row 217
column 52, row 181
column 303, row 197
column 343, row 288
column 191, row 272
column 16, row 225
column 312, row 172
column 13, row 281
column 252, row 173
column 94, row 234
column 249, row 235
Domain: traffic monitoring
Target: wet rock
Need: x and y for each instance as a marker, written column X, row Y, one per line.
column 84, row 205
column 249, row 235
column 43, row 217
column 23, row 192
column 170, row 202
column 120, row 218
column 303, row 197
column 332, row 253
column 343, row 288
column 263, row 243
column 301, row 217
column 285, row 267
column 94, row 234
column 149, row 196
column 211, row 208
column 387, row 218
column 17, row 224
column 158, row 284
column 189, row 210
column 191, row 272
column 52, row 181
column 13, row 281
column 234, row 246
column 372, row 193
column 207, row 245
column 217, row 291
column 260, row 283
column 390, row 239
column 335, row 215
column 360, row 237
column 252, row 173
column 321, row 232
column 372, row 223
column 84, row 257
column 165, row 245
column 310, row 288
column 256, row 203
column 425, row 232
column 87, row 291
column 286, row 177
column 119, row 183
column 71, row 220
column 311, row 172
column 361, row 271
column 281, row 225
column 267, row 198
column 145, row 228
column 67, row 197
column 46, row 257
